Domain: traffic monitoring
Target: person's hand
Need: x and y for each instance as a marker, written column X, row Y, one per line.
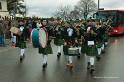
column 76, row 41
column 65, row 43
column 19, row 33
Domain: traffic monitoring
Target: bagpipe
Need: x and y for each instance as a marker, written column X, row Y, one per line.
column 17, row 31
column 39, row 37
column 107, row 25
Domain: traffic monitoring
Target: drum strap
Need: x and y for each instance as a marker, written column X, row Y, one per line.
column 45, row 30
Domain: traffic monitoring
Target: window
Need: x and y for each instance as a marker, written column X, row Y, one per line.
column 121, row 18
column 105, row 15
column 0, row 6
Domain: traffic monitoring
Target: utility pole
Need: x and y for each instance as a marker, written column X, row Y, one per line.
column 98, row 4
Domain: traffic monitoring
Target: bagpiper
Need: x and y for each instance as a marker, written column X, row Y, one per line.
column 99, row 39
column 80, row 33
column 21, row 39
column 58, row 41
column 91, row 50
column 48, row 49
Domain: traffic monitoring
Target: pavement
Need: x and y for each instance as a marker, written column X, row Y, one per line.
column 108, row 69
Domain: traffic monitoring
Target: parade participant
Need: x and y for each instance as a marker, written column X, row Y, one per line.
column 107, row 28
column 105, row 38
column 21, row 39
column 103, row 33
column 48, row 49
column 34, row 24
column 79, row 33
column 83, row 26
column 99, row 40
column 69, row 37
column 58, row 41
column 27, row 29
column 91, row 51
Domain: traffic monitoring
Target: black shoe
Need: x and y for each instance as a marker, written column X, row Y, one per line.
column 103, row 51
column 78, row 56
column 21, row 59
column 88, row 65
column 98, row 58
column 23, row 56
column 58, row 55
column 45, row 65
column 92, row 70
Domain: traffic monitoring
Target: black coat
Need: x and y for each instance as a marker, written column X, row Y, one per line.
column 65, row 33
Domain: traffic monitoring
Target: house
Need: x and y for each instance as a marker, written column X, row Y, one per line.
column 3, row 8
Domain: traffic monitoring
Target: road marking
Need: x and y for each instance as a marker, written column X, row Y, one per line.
column 105, row 77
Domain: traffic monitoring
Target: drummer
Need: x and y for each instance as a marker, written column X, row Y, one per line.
column 79, row 32
column 69, row 38
column 48, row 49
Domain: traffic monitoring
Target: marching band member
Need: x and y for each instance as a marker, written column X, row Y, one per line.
column 48, row 49
column 83, row 37
column 21, row 40
column 80, row 32
column 58, row 41
column 91, row 51
column 106, row 27
column 99, row 40
column 69, row 37
column 104, row 36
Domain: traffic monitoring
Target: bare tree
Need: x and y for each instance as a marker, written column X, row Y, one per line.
column 63, row 12
column 74, row 14
column 81, row 10
column 16, row 7
column 21, row 8
column 85, row 7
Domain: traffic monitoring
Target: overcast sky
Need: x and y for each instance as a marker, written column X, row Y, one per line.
column 46, row 8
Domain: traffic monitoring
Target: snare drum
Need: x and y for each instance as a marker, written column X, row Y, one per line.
column 35, row 37
column 73, row 51
column 91, row 43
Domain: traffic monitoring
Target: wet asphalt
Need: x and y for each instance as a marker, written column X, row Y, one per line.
column 109, row 69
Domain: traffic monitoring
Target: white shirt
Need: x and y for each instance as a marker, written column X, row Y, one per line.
column 70, row 31
column 21, row 28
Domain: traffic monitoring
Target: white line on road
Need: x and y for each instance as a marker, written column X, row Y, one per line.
column 106, row 77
